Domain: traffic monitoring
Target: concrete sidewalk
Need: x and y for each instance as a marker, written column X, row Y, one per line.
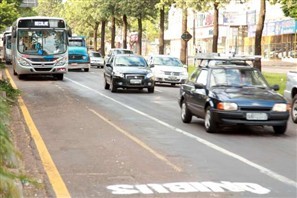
column 278, row 66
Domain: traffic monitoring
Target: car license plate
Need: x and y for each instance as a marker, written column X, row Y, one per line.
column 172, row 77
column 135, row 81
column 256, row 116
column 73, row 64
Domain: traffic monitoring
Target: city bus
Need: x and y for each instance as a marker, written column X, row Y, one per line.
column 7, row 48
column 40, row 46
column 6, row 45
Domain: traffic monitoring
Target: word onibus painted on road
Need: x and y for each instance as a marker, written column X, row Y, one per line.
column 188, row 187
column 40, row 46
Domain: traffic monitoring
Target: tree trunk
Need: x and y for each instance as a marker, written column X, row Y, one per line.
column 259, row 31
column 215, row 28
column 113, row 30
column 102, row 47
column 96, row 35
column 161, row 35
column 125, row 30
column 183, row 51
column 139, row 40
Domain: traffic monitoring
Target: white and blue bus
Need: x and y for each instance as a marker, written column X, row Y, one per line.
column 40, row 46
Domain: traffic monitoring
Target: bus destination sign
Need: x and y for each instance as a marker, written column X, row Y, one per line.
column 44, row 23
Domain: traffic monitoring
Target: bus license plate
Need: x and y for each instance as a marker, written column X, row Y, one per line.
column 256, row 116
column 135, row 81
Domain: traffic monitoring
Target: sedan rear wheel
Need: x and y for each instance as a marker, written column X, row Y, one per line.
column 209, row 123
column 294, row 109
column 186, row 115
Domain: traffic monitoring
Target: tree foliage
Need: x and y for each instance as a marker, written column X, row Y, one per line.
column 48, row 7
column 8, row 13
column 289, row 8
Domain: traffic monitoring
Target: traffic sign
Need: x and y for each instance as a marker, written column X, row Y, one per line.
column 186, row 36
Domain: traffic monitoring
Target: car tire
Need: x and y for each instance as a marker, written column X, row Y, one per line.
column 151, row 89
column 86, row 70
column 21, row 76
column 294, row 109
column 59, row 76
column 113, row 87
column 14, row 72
column 210, row 125
column 186, row 114
column 278, row 130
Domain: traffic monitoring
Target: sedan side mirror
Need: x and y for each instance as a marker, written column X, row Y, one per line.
column 108, row 65
column 275, row 87
column 152, row 65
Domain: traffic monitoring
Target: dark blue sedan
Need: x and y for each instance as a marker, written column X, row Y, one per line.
column 228, row 91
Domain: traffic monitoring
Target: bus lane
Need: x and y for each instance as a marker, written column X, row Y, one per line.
column 105, row 147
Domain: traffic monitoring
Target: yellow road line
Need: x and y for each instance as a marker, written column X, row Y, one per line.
column 51, row 170
column 139, row 142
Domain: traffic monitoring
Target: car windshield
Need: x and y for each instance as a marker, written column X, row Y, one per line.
column 94, row 54
column 76, row 42
column 168, row 61
column 237, row 77
column 123, row 52
column 42, row 42
column 130, row 61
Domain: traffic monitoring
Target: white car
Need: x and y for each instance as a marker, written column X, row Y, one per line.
column 168, row 69
column 96, row 59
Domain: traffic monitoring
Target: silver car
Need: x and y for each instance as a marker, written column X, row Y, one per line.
column 96, row 59
column 168, row 69
column 290, row 93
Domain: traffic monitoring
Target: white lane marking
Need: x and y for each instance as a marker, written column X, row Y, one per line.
column 262, row 169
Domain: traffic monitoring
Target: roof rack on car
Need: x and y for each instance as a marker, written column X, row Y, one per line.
column 219, row 56
column 206, row 59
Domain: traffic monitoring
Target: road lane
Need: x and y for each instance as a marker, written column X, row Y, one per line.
column 75, row 138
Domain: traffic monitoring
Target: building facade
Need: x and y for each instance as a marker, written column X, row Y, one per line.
column 237, row 25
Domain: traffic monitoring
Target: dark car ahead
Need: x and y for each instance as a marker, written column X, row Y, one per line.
column 228, row 91
column 128, row 71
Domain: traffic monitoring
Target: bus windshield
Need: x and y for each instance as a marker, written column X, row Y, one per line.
column 42, row 42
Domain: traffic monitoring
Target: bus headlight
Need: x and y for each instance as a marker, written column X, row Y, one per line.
column 23, row 62
column 62, row 61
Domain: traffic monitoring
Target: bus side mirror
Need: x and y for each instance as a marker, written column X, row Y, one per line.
column 13, row 34
column 69, row 32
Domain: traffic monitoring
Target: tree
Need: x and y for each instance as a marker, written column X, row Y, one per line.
column 139, row 10
column 48, row 7
column 163, row 9
column 259, row 31
column 8, row 13
column 289, row 8
column 81, row 21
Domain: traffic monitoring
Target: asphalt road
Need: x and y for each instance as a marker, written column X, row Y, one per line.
column 94, row 143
